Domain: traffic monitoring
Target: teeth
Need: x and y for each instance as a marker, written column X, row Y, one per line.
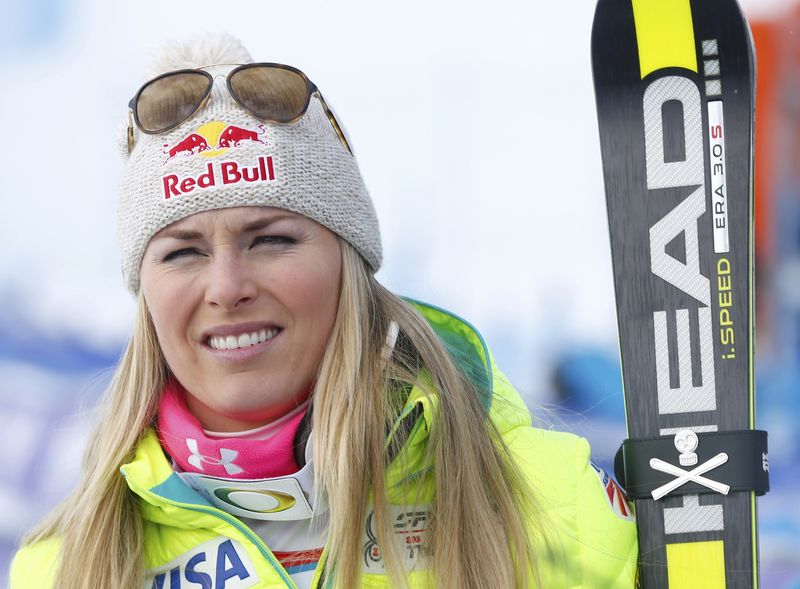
column 244, row 340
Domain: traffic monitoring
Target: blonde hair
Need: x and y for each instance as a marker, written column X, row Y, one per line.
column 482, row 507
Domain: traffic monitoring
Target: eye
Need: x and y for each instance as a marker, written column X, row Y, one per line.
column 182, row 253
column 274, row 240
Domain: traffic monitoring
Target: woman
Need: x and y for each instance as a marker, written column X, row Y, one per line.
column 279, row 418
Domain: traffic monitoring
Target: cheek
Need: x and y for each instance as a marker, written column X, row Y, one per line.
column 167, row 310
column 315, row 294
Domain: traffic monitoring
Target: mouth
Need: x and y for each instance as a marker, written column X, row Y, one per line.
column 242, row 340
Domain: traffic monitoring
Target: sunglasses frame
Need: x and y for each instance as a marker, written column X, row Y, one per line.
column 311, row 90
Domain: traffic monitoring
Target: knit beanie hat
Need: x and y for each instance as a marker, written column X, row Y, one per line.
column 223, row 157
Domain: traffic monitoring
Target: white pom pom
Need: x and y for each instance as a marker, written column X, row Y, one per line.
column 199, row 51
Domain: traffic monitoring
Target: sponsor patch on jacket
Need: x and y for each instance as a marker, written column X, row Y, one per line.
column 221, row 563
column 411, row 529
column 614, row 494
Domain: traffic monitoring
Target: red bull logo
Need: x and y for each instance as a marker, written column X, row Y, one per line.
column 220, row 173
column 191, row 145
column 213, row 139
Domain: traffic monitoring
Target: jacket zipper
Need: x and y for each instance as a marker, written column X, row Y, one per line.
column 252, row 536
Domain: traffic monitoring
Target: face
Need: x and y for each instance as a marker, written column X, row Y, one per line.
column 243, row 301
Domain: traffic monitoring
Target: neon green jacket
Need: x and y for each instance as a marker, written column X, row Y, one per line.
column 591, row 533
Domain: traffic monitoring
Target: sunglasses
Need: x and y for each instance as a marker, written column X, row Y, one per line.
column 272, row 92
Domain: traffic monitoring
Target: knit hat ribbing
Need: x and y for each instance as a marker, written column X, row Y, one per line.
column 224, row 157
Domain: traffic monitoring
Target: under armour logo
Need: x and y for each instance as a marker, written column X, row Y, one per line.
column 225, row 460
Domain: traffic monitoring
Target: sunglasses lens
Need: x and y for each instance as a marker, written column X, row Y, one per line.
column 271, row 93
column 165, row 102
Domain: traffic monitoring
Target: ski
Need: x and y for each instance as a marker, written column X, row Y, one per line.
column 675, row 91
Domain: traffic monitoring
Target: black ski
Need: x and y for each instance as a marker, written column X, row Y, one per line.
column 675, row 89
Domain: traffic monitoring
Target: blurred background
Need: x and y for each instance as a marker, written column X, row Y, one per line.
column 475, row 129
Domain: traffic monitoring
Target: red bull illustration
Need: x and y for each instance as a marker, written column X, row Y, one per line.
column 232, row 136
column 212, row 139
column 191, row 145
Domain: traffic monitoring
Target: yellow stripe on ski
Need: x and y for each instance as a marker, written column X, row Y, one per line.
column 664, row 34
column 696, row 565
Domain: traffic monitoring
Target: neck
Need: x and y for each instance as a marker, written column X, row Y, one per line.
column 214, row 421
column 194, row 450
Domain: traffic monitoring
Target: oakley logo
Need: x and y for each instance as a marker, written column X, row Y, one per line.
column 225, row 460
column 219, row 564
column 257, row 501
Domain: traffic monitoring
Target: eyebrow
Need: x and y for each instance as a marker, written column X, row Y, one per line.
column 179, row 234
column 188, row 235
column 265, row 221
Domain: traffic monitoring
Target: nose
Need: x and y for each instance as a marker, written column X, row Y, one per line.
column 230, row 284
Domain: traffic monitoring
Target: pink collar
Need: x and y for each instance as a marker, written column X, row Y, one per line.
column 183, row 437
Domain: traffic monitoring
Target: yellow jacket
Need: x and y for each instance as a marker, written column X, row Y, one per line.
column 589, row 526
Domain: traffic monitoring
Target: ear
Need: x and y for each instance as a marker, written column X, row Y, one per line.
column 122, row 133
